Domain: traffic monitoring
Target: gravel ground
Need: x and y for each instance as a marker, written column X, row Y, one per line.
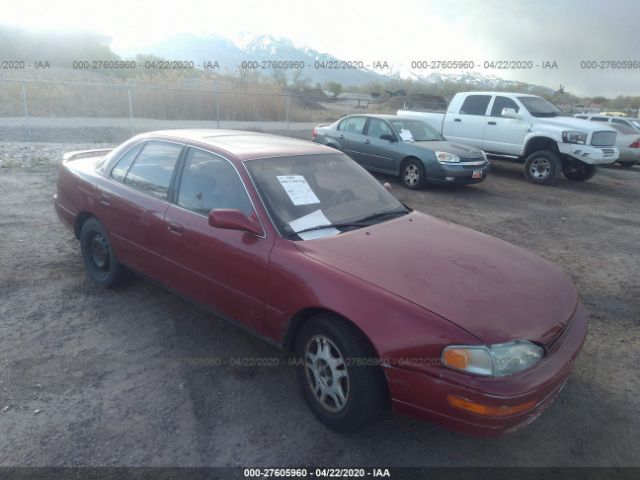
column 124, row 377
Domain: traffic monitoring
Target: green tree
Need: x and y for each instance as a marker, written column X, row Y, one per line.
column 335, row 88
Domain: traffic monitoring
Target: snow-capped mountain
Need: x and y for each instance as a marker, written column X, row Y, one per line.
column 231, row 54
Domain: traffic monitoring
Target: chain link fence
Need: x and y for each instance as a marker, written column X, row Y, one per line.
column 102, row 112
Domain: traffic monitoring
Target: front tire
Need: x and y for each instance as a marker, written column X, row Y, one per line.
column 579, row 172
column 412, row 174
column 340, row 377
column 542, row 167
column 99, row 260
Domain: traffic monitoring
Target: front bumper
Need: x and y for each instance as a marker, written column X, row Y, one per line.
column 424, row 396
column 590, row 154
column 461, row 173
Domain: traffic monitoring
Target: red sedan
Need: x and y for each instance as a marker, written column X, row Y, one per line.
column 382, row 306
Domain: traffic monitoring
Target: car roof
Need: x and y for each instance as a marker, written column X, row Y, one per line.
column 244, row 145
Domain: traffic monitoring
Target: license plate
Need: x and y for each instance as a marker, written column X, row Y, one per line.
column 476, row 174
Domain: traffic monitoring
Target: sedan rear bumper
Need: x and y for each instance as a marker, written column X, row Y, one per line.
column 629, row 155
column 425, row 396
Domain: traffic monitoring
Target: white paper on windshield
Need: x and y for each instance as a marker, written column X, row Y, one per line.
column 298, row 189
column 313, row 219
column 406, row 135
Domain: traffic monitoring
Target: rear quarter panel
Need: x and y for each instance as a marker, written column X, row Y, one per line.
column 76, row 192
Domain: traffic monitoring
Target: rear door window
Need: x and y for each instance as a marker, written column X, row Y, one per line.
column 121, row 168
column 153, row 168
column 355, row 125
column 475, row 105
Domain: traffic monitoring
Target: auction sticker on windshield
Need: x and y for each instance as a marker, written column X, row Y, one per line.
column 298, row 189
column 313, row 220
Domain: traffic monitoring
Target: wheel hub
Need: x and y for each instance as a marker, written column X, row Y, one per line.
column 326, row 373
column 99, row 251
column 411, row 174
column 540, row 168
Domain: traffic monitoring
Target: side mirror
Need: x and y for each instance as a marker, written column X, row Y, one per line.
column 510, row 113
column 388, row 137
column 234, row 219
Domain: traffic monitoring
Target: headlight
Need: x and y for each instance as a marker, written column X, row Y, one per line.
column 574, row 137
column 445, row 157
column 493, row 360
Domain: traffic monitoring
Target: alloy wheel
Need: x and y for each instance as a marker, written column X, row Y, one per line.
column 540, row 168
column 326, row 373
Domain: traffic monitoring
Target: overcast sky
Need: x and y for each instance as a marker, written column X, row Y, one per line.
column 565, row 31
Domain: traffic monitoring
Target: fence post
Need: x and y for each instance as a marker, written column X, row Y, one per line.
column 288, row 101
column 26, row 112
column 218, row 110
column 130, row 110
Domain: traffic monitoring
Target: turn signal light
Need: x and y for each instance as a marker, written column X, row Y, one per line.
column 456, row 358
column 488, row 410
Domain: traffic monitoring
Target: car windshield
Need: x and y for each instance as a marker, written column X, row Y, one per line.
column 415, row 130
column 636, row 123
column 540, row 107
column 320, row 195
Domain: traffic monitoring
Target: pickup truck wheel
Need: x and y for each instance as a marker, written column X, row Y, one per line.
column 579, row 172
column 627, row 164
column 340, row 383
column 412, row 174
column 97, row 254
column 542, row 167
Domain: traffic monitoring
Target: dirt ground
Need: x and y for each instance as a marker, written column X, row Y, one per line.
column 125, row 377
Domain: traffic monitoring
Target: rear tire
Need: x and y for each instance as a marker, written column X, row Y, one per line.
column 542, row 167
column 339, row 375
column 99, row 260
column 412, row 174
column 579, row 172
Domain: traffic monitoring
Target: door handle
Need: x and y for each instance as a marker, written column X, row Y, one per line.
column 105, row 199
column 457, row 120
column 175, row 227
column 367, row 141
column 491, row 123
column 341, row 136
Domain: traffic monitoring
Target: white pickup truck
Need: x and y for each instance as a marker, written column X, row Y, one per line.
column 528, row 128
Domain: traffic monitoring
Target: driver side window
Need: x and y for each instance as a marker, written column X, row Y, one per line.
column 209, row 182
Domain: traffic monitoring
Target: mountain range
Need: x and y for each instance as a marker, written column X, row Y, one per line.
column 262, row 49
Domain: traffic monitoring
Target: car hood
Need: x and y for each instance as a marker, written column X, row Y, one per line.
column 575, row 123
column 494, row 290
column 463, row 151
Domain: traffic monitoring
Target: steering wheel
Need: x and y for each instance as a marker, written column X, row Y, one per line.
column 341, row 196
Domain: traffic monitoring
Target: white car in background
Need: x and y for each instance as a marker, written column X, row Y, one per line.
column 611, row 120
column 628, row 143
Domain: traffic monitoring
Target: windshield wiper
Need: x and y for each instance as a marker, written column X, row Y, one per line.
column 363, row 222
column 371, row 219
